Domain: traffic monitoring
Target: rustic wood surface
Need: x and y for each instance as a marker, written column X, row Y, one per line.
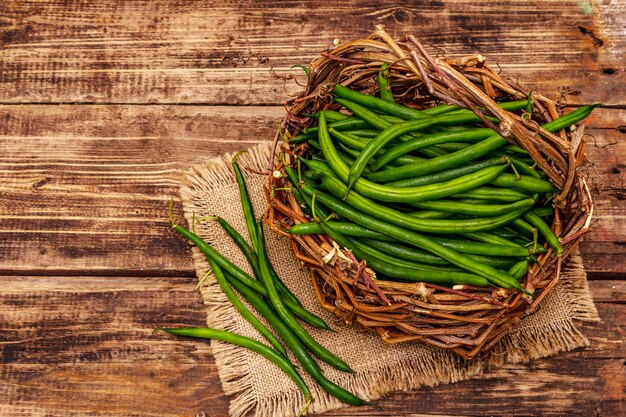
column 104, row 105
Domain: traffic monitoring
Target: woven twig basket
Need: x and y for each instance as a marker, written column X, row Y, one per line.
column 464, row 320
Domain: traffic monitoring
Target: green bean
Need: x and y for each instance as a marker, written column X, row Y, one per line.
column 569, row 119
column 417, row 255
column 293, row 178
column 496, row 194
column 416, row 239
column 429, row 214
column 448, row 174
column 389, row 245
column 403, row 273
column 543, row 211
column 361, row 133
column 523, row 168
column 331, row 116
column 243, row 310
column 278, row 304
column 522, row 226
column 489, row 238
column 383, row 84
column 395, row 131
column 506, row 105
column 243, row 341
column 234, row 270
column 523, row 183
column 440, row 226
column 405, row 112
column 248, row 211
column 545, row 230
column 360, row 143
column 469, row 153
column 518, row 270
column 295, row 346
column 241, row 243
column 347, row 124
column 481, row 248
column 372, row 119
column 370, row 251
column 346, row 228
column 482, row 210
column 403, row 195
column 246, row 203
column 431, row 139
column 378, row 104
column 440, row 163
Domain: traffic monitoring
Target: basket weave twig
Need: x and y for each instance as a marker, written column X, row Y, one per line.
column 465, row 320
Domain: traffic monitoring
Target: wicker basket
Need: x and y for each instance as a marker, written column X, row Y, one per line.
column 467, row 320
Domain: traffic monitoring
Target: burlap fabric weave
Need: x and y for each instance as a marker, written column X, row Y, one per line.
column 258, row 387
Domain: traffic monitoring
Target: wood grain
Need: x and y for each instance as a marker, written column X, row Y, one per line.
column 240, row 52
column 86, row 187
column 72, row 346
column 103, row 107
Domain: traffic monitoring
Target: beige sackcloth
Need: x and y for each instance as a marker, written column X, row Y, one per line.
column 258, row 387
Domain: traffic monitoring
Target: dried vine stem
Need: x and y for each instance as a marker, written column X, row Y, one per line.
column 465, row 320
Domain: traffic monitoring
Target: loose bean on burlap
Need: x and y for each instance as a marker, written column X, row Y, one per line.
column 258, row 387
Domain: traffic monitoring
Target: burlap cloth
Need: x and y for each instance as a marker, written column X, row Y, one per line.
column 255, row 384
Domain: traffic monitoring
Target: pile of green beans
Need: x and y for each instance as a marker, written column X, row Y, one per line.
column 272, row 300
column 428, row 195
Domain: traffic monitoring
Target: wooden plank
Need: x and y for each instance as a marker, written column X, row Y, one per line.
column 85, row 187
column 72, row 346
column 240, row 52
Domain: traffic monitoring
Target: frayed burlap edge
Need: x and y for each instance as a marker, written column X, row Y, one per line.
column 432, row 368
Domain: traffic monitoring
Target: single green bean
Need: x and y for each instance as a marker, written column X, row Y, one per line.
column 518, row 270
column 545, row 230
column 523, row 183
column 246, row 203
column 569, row 119
column 544, row 211
column 248, row 343
column 522, row 226
column 482, row 210
column 429, row 214
column 496, row 194
column 347, row 124
column 489, row 238
column 361, row 133
column 331, row 116
column 278, row 304
column 481, row 248
column 431, row 139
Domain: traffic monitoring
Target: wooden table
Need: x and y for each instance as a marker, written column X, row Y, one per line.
column 105, row 104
